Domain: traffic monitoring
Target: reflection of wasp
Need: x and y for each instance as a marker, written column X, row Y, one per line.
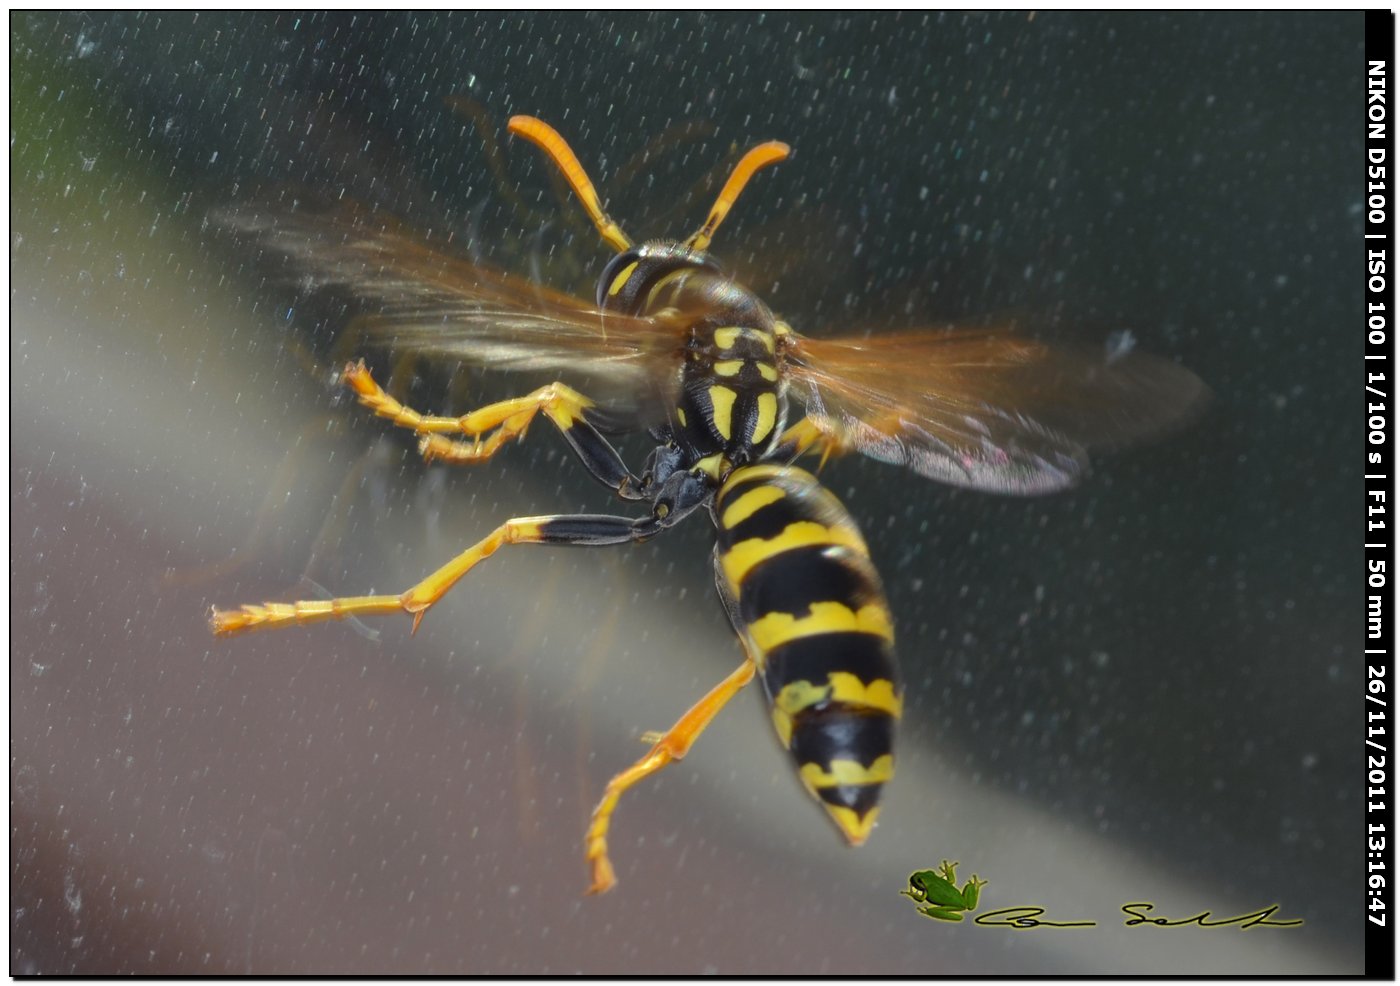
column 674, row 346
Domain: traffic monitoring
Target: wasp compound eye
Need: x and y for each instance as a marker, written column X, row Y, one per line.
column 615, row 277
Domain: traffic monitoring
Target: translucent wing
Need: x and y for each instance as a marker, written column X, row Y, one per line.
column 985, row 410
column 425, row 300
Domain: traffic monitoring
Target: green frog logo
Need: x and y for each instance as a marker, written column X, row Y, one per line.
column 938, row 889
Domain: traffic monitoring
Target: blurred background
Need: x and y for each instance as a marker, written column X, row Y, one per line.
column 1137, row 691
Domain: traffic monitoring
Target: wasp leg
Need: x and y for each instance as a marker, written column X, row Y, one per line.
column 586, row 529
column 674, row 744
column 504, row 420
column 811, row 434
column 829, row 437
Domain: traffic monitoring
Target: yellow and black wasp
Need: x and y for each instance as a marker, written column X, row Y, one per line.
column 700, row 362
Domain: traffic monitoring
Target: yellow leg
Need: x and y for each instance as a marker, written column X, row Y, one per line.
column 504, row 420
column 807, row 435
column 415, row 601
column 829, row 437
column 673, row 745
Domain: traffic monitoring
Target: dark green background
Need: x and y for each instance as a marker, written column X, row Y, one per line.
column 1146, row 689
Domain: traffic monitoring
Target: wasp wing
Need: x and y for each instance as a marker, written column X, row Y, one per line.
column 985, row 410
column 425, row 300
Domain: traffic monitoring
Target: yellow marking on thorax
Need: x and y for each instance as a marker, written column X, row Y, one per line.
column 621, row 278
column 722, row 410
column 848, row 772
column 749, row 504
column 767, row 417
column 728, row 337
column 800, row 534
column 733, row 367
column 713, row 466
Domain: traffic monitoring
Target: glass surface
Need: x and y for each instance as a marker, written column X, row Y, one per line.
column 1129, row 692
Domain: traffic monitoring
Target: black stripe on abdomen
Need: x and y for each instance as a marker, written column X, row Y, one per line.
column 792, row 581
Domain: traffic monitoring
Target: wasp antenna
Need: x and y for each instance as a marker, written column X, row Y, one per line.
column 547, row 139
column 759, row 157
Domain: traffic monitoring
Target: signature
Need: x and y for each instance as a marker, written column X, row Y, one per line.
column 1025, row 918
column 1250, row 920
column 1028, row 917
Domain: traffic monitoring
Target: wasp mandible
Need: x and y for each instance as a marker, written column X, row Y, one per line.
column 703, row 365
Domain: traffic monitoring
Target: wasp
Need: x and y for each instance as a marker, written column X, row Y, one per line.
column 732, row 395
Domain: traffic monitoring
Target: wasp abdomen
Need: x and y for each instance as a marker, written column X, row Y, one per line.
column 805, row 595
